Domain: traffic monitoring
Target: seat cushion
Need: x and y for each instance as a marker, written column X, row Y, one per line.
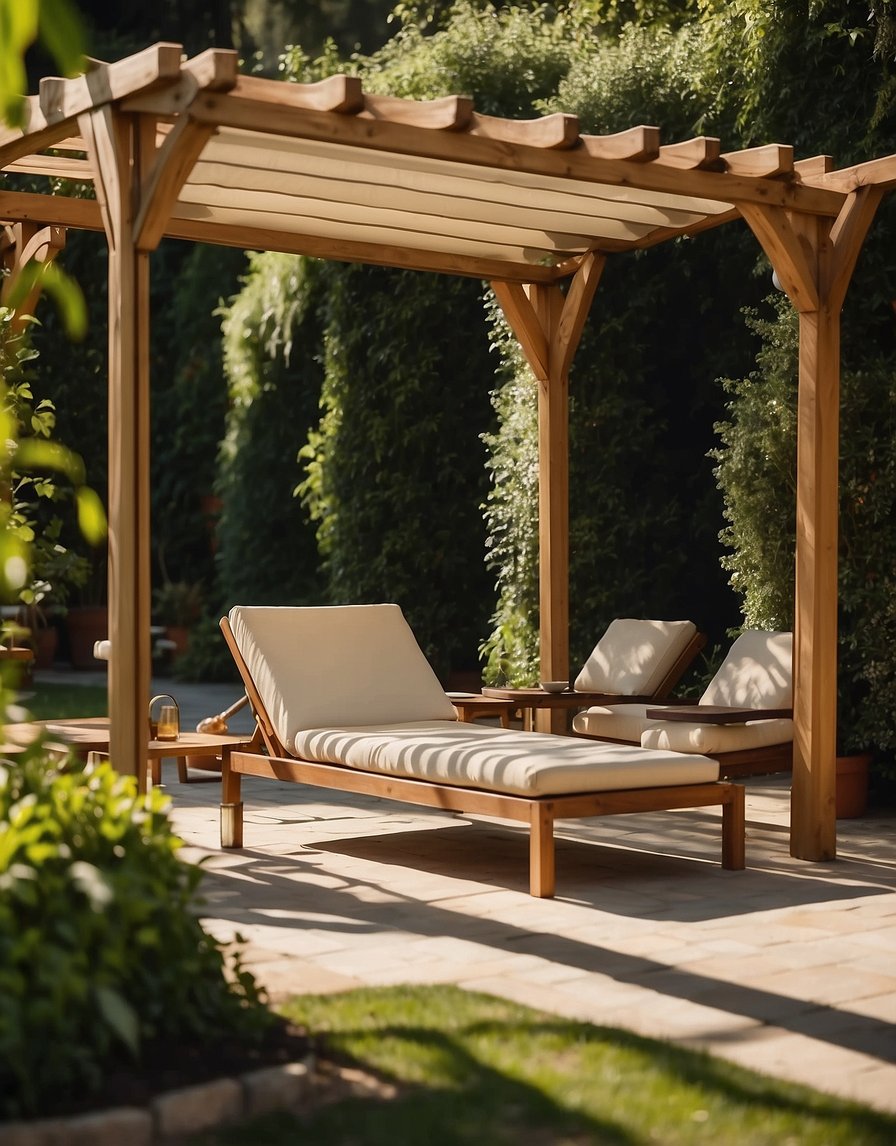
column 615, row 721
column 338, row 665
column 681, row 736
column 500, row 759
column 756, row 673
column 633, row 656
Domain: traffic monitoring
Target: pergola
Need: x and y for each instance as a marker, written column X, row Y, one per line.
column 193, row 150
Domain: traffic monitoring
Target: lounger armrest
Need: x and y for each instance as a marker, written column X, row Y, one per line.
column 717, row 714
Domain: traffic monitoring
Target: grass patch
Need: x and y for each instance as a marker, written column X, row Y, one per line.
column 46, row 701
column 474, row 1069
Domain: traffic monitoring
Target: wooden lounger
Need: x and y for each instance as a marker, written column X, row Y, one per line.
column 433, row 738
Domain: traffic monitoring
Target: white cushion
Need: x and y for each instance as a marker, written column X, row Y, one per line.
column 681, row 736
column 633, row 656
column 337, row 665
column 616, row 721
column 500, row 759
column 757, row 673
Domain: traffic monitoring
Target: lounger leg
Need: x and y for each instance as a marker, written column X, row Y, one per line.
column 231, row 805
column 734, row 830
column 542, row 876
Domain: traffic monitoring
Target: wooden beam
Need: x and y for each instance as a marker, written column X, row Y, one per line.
column 232, row 110
column 59, row 210
column 703, row 151
column 875, row 172
column 559, row 131
column 451, row 113
column 638, row 143
column 115, row 155
column 847, row 236
column 61, row 99
column 523, row 321
column 170, row 166
column 763, row 162
column 791, row 255
column 565, row 341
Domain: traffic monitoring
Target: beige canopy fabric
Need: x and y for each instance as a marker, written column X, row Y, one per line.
column 192, row 149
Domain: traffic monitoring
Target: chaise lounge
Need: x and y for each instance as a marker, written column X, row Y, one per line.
column 344, row 698
column 742, row 720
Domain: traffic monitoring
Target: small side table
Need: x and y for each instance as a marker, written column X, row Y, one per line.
column 472, row 706
column 90, row 736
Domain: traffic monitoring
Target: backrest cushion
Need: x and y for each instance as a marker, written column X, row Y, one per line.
column 633, row 656
column 337, row 665
column 757, row 673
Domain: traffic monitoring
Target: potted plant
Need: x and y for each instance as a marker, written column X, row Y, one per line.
column 55, row 571
column 178, row 606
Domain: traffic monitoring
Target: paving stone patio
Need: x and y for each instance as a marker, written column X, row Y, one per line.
column 787, row 967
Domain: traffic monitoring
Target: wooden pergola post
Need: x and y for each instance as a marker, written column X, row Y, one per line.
column 114, row 149
column 549, row 326
column 814, row 259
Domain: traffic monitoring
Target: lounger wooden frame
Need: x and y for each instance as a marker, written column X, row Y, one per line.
column 538, row 812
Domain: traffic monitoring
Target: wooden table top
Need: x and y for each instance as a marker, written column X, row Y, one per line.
column 91, row 734
column 569, row 698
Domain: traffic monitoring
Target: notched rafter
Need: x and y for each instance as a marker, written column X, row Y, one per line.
column 558, row 132
column 763, row 162
column 451, row 113
column 638, row 143
column 691, row 154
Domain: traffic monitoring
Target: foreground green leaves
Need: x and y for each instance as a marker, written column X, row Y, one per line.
column 101, row 950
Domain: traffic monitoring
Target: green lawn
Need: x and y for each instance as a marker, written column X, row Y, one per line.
column 471, row 1069
column 45, row 700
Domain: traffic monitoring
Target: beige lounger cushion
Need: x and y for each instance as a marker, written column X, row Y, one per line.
column 616, row 721
column 337, row 665
column 633, row 656
column 680, row 736
column 757, row 673
column 500, row 759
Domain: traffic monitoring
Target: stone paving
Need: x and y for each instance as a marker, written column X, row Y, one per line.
column 787, row 967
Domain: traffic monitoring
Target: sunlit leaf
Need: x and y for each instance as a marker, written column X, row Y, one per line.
column 91, row 515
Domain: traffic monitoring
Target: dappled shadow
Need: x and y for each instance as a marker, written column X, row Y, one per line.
column 286, row 891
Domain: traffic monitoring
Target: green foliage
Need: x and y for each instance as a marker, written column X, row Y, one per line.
column 37, row 568
column 511, row 514
column 395, row 469
column 100, row 946
column 756, row 473
column 649, row 75
column 190, row 402
column 505, row 58
column 272, row 335
column 22, row 22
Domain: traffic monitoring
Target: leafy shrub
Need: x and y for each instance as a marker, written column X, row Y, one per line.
column 272, row 339
column 395, row 468
column 100, row 947
column 757, row 475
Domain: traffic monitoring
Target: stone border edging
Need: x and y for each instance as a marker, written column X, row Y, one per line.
column 172, row 1114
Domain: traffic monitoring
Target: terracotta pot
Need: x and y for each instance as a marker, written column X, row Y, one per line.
column 179, row 636
column 852, row 785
